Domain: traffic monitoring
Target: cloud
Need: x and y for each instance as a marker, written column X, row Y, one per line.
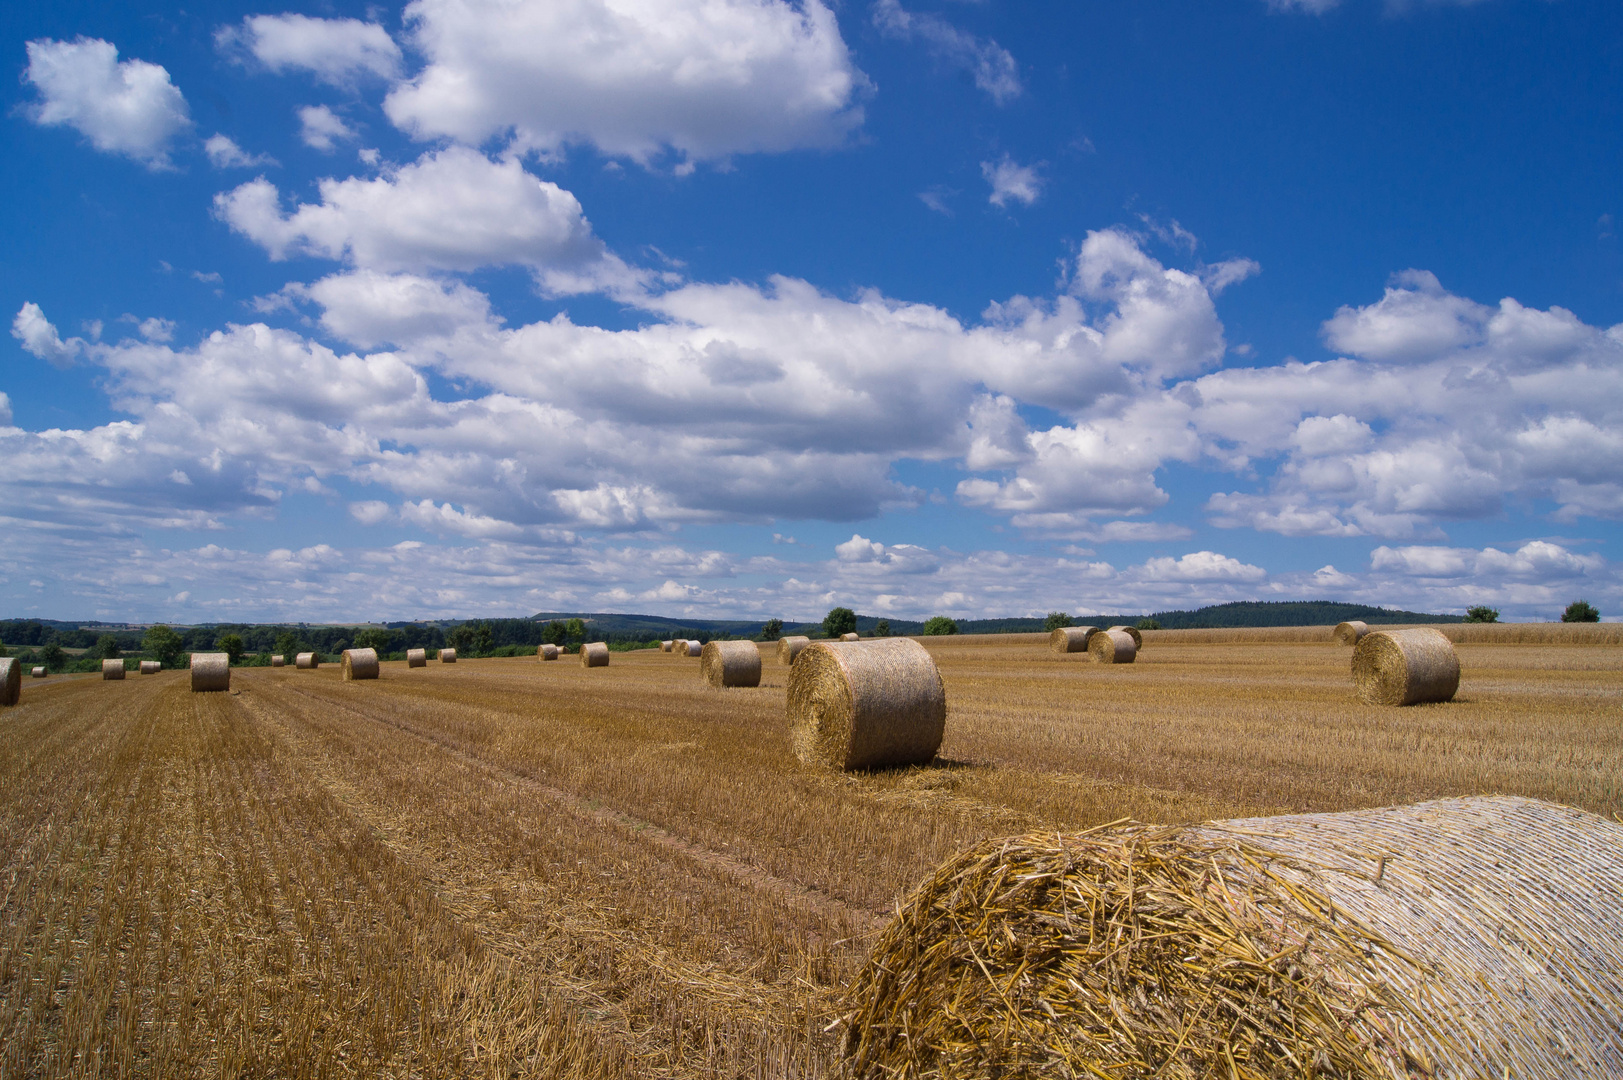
column 1009, row 181
column 40, row 338
column 370, row 309
column 224, row 153
column 1311, row 7
column 334, row 50
column 453, row 209
column 1416, row 319
column 1202, row 566
column 128, row 107
column 704, row 79
column 992, row 66
column 321, row 128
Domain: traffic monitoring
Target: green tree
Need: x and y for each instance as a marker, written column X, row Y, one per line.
column 840, row 620
column 1056, row 620
column 375, row 637
column 937, row 625
column 232, row 646
column 53, row 657
column 575, row 630
column 554, row 634
column 163, row 645
column 1482, row 613
column 1148, row 624
column 1580, row 611
column 484, row 641
column 773, row 630
column 106, row 648
column 287, row 643
column 881, row 628
column 462, row 639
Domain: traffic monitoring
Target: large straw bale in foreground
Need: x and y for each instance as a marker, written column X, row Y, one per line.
column 866, row 704
column 416, row 658
column 1348, row 633
column 151, row 667
column 1113, row 647
column 1133, row 632
column 1462, row 938
column 594, row 654
column 789, row 648
column 1068, row 639
column 1405, row 667
column 112, row 669
column 447, row 656
column 11, row 680
column 307, row 661
column 547, row 652
column 730, row 663
column 278, row 660
column 211, row 671
column 360, row 664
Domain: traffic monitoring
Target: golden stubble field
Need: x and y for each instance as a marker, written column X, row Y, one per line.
column 510, row 868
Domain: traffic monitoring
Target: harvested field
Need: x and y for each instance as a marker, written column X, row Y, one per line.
column 505, row 867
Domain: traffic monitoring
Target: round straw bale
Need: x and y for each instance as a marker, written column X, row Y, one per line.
column 112, row 669
column 40, row 673
column 594, row 654
column 11, row 680
column 416, row 658
column 1470, row 937
column 1071, row 638
column 547, row 652
column 1405, row 667
column 665, row 646
column 360, row 664
column 1134, row 633
column 447, row 656
column 210, row 671
column 278, row 660
column 694, row 648
column 1348, row 633
column 730, row 663
column 789, row 648
column 1113, row 647
column 679, row 646
column 308, row 661
column 150, row 667
column 850, row 637
column 866, row 704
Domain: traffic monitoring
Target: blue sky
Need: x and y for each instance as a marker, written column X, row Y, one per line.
column 748, row 308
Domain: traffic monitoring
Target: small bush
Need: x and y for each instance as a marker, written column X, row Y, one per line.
column 840, row 620
column 1481, row 613
column 1057, row 620
column 1580, row 611
column 938, row 625
column 1148, row 624
column 881, row 628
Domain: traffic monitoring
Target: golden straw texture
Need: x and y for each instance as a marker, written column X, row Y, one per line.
column 789, row 648
column 730, row 663
column 150, row 667
column 1069, row 639
column 1113, row 647
column 308, row 661
column 112, row 669
column 594, row 654
column 1405, row 667
column 447, row 656
column 1348, row 633
column 211, row 671
column 665, row 646
column 693, row 648
column 11, row 680
column 866, row 704
column 849, row 637
column 1133, row 632
column 416, row 658
column 278, row 660
column 1461, row 938
column 40, row 673
column 360, row 664
column 547, row 652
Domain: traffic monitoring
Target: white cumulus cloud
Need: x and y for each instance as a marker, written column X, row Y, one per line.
column 123, row 107
column 224, row 153
column 334, row 50
column 322, row 129
column 1012, row 182
column 705, row 79
column 40, row 338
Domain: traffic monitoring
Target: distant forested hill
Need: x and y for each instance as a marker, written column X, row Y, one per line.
column 1291, row 613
